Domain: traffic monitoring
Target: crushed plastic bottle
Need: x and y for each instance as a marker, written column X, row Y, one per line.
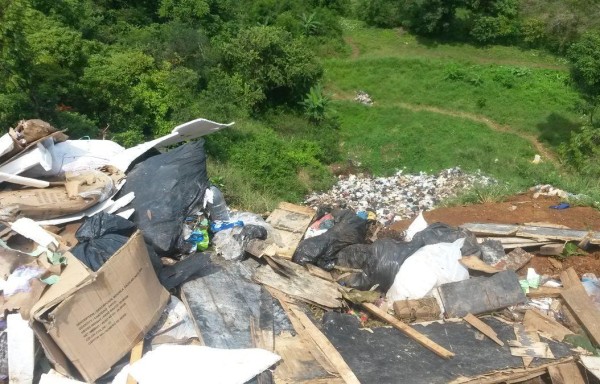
column 214, row 202
column 592, row 286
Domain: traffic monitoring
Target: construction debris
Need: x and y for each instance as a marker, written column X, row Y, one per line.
column 127, row 265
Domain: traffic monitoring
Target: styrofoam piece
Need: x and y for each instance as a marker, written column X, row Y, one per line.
column 127, row 213
column 122, row 202
column 26, row 181
column 32, row 230
column 187, row 131
column 6, row 144
column 21, row 352
column 39, row 155
column 78, row 156
column 191, row 364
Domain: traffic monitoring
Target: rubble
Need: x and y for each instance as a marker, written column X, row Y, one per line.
column 189, row 291
column 400, row 196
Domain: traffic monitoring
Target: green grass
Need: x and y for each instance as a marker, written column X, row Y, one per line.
column 378, row 43
column 529, row 100
column 387, row 138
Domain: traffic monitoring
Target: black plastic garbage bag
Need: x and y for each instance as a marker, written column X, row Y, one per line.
column 172, row 276
column 101, row 235
column 381, row 261
column 167, row 187
column 321, row 250
column 443, row 233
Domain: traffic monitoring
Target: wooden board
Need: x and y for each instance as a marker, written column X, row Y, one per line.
column 581, row 304
column 291, row 222
column 566, row 373
column 409, row 331
column 483, row 328
column 552, row 233
column 509, row 376
column 528, row 345
column 548, row 327
column 326, row 347
column 298, row 364
column 514, row 260
column 544, row 292
column 533, row 232
column 481, row 294
column 316, row 271
column 476, row 264
column 585, row 312
column 552, row 249
column 491, row 229
column 303, row 285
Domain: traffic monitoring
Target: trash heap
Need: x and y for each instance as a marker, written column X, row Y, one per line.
column 400, row 196
column 126, row 265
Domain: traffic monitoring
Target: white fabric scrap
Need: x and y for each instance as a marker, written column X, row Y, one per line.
column 192, row 364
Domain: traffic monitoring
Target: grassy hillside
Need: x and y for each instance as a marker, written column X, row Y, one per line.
column 440, row 105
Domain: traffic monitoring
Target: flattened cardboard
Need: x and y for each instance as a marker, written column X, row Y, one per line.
column 103, row 319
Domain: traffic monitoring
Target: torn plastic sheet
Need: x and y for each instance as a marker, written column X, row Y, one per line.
column 19, row 280
column 187, row 131
column 191, row 364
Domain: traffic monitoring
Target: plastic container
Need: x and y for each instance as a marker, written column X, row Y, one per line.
column 215, row 204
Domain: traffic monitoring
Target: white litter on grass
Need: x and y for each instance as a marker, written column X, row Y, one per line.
column 399, row 196
column 192, row 364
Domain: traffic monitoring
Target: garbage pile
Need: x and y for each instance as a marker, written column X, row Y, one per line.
column 127, row 265
column 400, row 196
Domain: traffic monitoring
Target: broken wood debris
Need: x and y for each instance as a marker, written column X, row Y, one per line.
column 409, row 331
column 581, row 305
column 483, row 328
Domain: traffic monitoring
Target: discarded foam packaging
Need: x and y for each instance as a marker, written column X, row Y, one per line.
column 39, row 156
column 77, row 156
column 7, row 144
column 187, row 131
column 88, row 321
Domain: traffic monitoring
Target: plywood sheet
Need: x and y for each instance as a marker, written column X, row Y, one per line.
column 291, row 222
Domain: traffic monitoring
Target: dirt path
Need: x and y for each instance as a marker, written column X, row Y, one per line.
column 355, row 50
column 544, row 152
column 539, row 147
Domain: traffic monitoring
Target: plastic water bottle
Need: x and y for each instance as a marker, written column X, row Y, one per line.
column 217, row 209
column 592, row 286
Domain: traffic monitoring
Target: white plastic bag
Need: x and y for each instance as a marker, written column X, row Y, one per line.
column 416, row 226
column 426, row 269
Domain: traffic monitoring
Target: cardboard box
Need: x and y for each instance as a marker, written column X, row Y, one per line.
column 88, row 321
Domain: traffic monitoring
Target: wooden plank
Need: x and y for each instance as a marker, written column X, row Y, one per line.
column 409, row 331
column 291, row 222
column 552, row 249
column 476, row 264
column 536, row 321
column 509, row 375
column 592, row 364
column 136, row 354
column 312, row 348
column 581, row 304
column 303, row 285
column 567, row 373
column 483, row 328
column 325, row 345
column 585, row 312
column 528, row 345
column 491, row 229
column 481, row 294
column 301, row 209
column 525, row 245
column 508, row 240
column 514, row 260
column 544, row 292
column 316, row 271
column 551, row 233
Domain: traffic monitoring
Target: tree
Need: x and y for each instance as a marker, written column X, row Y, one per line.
column 584, row 57
column 271, row 62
